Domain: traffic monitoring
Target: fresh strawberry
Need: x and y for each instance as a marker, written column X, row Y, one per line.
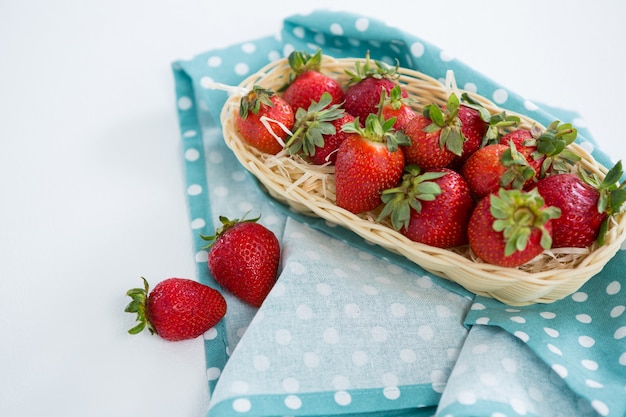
column 432, row 207
column 586, row 204
column 396, row 105
column 243, row 258
column 264, row 119
column 362, row 96
column 317, row 131
column 440, row 137
column 307, row 83
column 545, row 149
column 496, row 166
column 511, row 228
column 176, row 309
column 368, row 163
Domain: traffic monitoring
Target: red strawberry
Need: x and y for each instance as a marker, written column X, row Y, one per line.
column 363, row 94
column 433, row 207
column 309, row 83
column 317, row 131
column 586, row 206
column 368, row 163
column 176, row 309
column 243, row 258
column 258, row 108
column 545, row 149
column 511, row 227
column 397, row 106
column 496, row 166
column 425, row 150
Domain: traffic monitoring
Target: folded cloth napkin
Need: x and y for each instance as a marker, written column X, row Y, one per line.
column 351, row 329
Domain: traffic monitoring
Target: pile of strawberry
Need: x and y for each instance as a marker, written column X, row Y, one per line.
column 447, row 176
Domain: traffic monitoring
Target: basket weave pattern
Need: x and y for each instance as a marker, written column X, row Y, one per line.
column 310, row 189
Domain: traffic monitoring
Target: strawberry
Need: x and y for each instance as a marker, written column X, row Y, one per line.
column 368, row 163
column 307, row 83
column 176, row 309
column 396, row 105
column 545, row 149
column 496, row 166
column 432, row 207
column 264, row 119
column 243, row 258
column 317, row 131
column 362, row 96
column 440, row 137
column 511, row 227
column 586, row 204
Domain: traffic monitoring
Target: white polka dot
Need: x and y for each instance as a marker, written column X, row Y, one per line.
column 398, row 310
column 586, row 341
column 184, row 103
column 239, row 387
column 311, row 359
column 488, row 379
column 583, row 318
column 443, row 311
column 242, row 68
column 216, row 157
column 379, row 334
column 370, row 290
column 509, row 365
column 198, row 223
column 359, row 358
column 620, row 333
column 194, row 189
column 352, row 311
column 522, row 336
column 425, row 332
column 336, row 29
column 299, row 32
column 341, row 382
column 600, row 407
column 291, row 384
column 331, row 335
column 482, row 320
column 580, row 297
column 512, row 310
column 478, row 306
column 446, row 56
column 518, row 319
column 467, row 397
column 471, row 87
column 238, row 176
column 389, row 379
column 622, row 359
column 408, row 355
column 480, row 349
column 210, row 334
column 213, row 373
column 343, row 398
column 613, row 288
column 560, row 370
column 529, row 105
column 220, row 191
column 192, row 155
column 554, row 349
column 248, row 47
column 589, row 364
column 424, row 282
column 202, row 256
column 293, row 402
column 261, row 363
column 273, row 56
column 391, row 392
column 417, row 49
column 617, row 311
column 500, row 96
column 242, row 405
column 551, row 332
column 319, row 38
column 535, row 393
column 519, row 406
column 304, row 312
column 297, row 268
column 362, row 24
column 323, row 289
column 282, row 336
column 279, row 289
column 189, row 133
column 206, row 82
column 214, row 61
column 547, row 315
column 579, row 122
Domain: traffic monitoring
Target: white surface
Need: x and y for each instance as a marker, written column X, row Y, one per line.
column 92, row 183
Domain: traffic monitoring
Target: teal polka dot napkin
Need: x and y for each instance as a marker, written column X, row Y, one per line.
column 351, row 329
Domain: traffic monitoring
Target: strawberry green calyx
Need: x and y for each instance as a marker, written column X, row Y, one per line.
column 448, row 122
column 377, row 129
column 139, row 298
column 379, row 70
column 302, row 61
column 414, row 188
column 517, row 213
column 495, row 122
column 252, row 101
column 226, row 224
column 311, row 125
column 518, row 170
column 552, row 143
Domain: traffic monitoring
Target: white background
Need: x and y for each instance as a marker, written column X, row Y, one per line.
column 91, row 180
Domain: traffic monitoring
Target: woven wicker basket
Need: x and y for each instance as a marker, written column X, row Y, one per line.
column 310, row 189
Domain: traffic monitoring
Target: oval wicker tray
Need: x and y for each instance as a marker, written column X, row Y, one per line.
column 309, row 189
